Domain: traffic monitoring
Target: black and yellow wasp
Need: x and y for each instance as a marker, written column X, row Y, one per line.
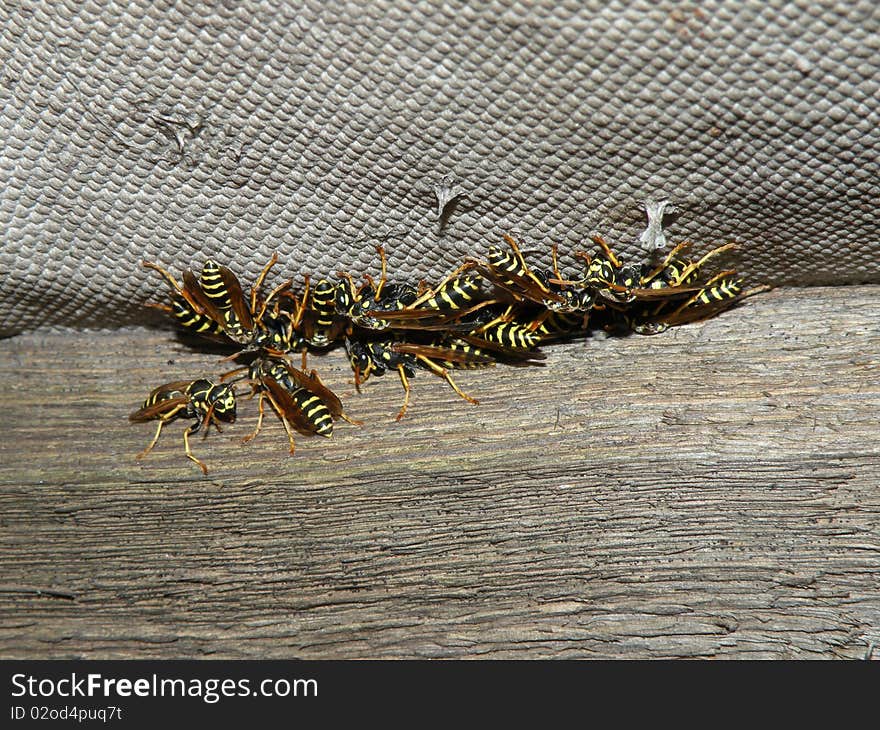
column 500, row 327
column 206, row 402
column 377, row 306
column 721, row 292
column 365, row 306
column 215, row 306
column 317, row 321
column 432, row 309
column 509, row 273
column 300, row 400
column 378, row 355
column 562, row 306
column 669, row 294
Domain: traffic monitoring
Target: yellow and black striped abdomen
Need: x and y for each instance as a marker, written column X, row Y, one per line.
column 561, row 323
column 323, row 303
column 455, row 294
column 213, row 285
column 719, row 291
column 510, row 334
column 159, row 395
column 191, row 320
column 315, row 411
column 216, row 289
column 504, row 262
column 466, row 348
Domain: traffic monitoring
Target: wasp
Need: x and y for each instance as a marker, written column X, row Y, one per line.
column 508, row 271
column 434, row 308
column 318, row 322
column 559, row 325
column 374, row 310
column 676, row 297
column 386, row 305
column 215, row 305
column 674, row 271
column 718, row 294
column 338, row 307
column 622, row 284
column 456, row 292
column 503, row 328
column 556, row 296
column 508, row 333
column 376, row 356
column 202, row 400
column 333, row 308
column 609, row 276
column 300, row 400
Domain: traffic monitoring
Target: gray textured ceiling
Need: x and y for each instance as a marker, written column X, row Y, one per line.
column 170, row 131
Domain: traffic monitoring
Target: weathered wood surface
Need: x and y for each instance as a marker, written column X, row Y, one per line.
column 709, row 492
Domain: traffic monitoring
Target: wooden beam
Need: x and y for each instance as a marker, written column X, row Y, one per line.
column 710, row 491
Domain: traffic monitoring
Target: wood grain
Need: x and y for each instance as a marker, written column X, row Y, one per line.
column 708, row 492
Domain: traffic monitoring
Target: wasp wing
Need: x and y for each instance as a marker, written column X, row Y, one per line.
column 509, row 352
column 312, row 383
column 289, row 409
column 705, row 311
column 661, row 293
column 159, row 408
column 236, row 298
column 437, row 352
column 194, row 294
column 520, row 287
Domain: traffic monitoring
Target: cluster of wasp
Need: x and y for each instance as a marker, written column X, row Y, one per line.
column 497, row 310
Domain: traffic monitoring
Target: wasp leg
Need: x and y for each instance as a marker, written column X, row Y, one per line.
column 554, row 254
column 694, row 267
column 443, row 373
column 272, row 294
column 505, row 316
column 168, row 277
column 161, row 307
column 283, row 422
column 210, row 420
column 406, row 390
column 250, row 395
column 189, row 453
column 536, row 323
column 352, row 421
column 165, row 418
column 258, row 284
column 615, row 262
column 253, row 435
column 155, row 440
column 706, row 287
column 654, row 273
column 426, row 292
column 231, row 357
column 514, row 246
column 225, row 376
column 383, row 277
